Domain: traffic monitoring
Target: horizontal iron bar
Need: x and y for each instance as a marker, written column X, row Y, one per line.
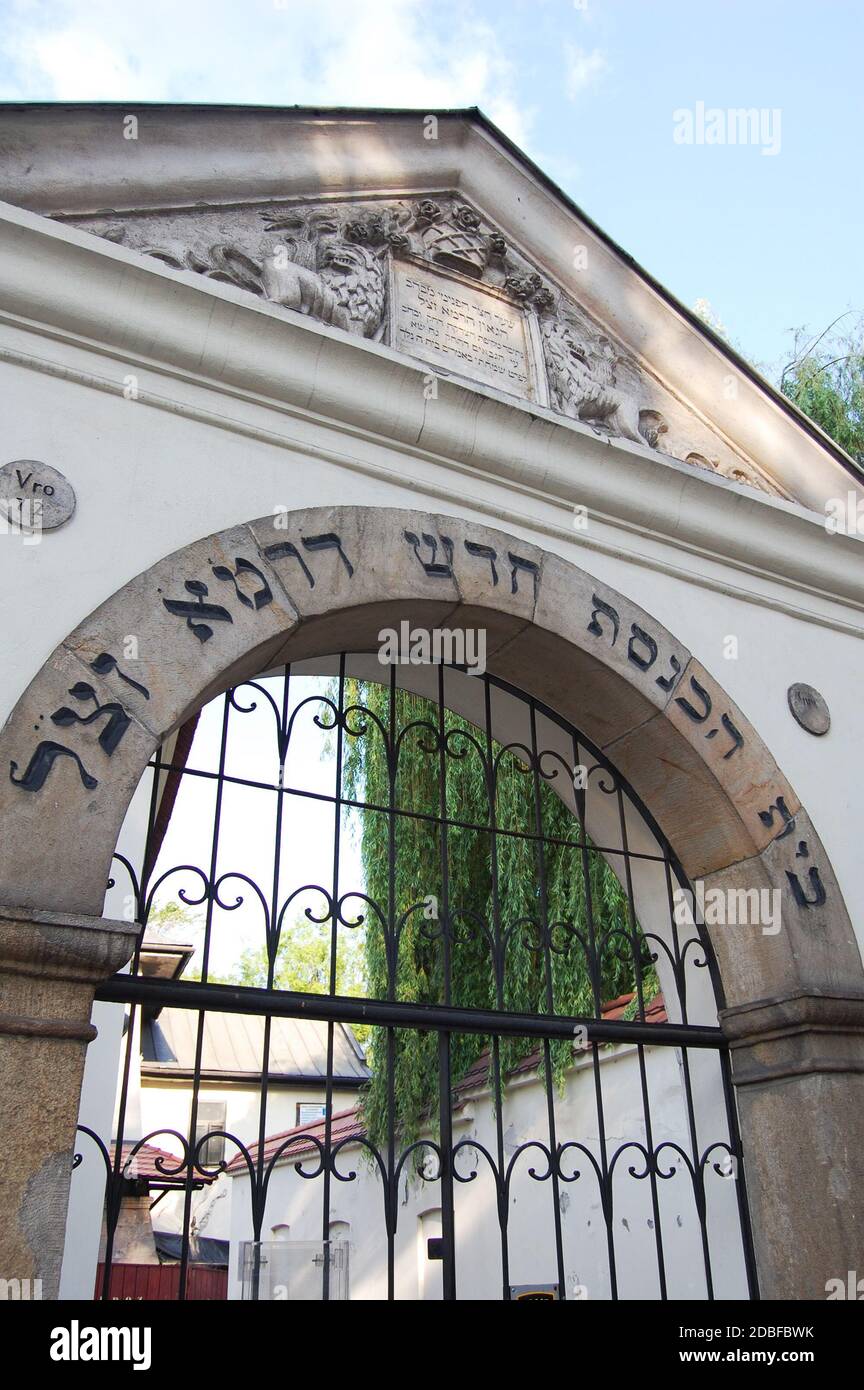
column 299, row 1080
column 183, row 994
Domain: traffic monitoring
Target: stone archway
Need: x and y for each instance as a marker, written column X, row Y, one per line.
column 312, row 582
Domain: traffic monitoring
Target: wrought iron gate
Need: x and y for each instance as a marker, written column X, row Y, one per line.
column 617, row 1105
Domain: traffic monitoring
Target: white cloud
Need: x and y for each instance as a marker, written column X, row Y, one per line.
column 73, row 61
column 584, row 68
column 329, row 52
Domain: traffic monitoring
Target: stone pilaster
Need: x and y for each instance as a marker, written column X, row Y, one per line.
column 50, row 965
column 798, row 1068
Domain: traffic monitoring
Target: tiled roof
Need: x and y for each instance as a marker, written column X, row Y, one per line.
column 655, row 1009
column 344, row 1125
column 146, row 1165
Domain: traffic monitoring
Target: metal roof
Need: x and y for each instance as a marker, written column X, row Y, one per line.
column 234, row 1048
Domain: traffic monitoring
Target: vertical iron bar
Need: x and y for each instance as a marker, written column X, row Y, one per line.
column 499, row 969
column 393, row 975
column 445, row 1092
column 546, row 939
column 199, row 1041
column 701, row 1209
column 581, row 803
column 113, row 1181
column 334, row 951
column 445, row 1084
column 272, row 950
column 640, row 1047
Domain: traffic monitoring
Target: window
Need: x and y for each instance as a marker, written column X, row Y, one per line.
column 211, row 1116
column 310, row 1111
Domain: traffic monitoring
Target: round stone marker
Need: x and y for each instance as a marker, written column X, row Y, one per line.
column 809, row 709
column 34, row 496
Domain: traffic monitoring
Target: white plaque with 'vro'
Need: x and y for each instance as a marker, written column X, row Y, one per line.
column 468, row 331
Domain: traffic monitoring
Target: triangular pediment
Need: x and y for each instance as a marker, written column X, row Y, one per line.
column 437, row 240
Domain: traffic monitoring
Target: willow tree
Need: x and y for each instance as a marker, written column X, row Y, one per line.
column 475, row 895
column 825, row 379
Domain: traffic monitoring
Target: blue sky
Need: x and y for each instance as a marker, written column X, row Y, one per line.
column 588, row 89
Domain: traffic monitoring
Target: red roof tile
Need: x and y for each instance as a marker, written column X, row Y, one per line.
column 655, row 1009
column 299, row 1141
column 146, row 1164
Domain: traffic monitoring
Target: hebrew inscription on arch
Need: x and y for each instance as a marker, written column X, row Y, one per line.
column 213, row 601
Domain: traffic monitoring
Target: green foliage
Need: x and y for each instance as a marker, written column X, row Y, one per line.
column 175, row 921
column 825, row 379
column 533, row 980
column 302, row 964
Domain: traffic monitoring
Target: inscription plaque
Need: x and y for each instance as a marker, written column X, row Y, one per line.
column 478, row 333
column 34, row 496
column 809, row 709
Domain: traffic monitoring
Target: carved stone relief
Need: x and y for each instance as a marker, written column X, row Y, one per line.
column 335, row 263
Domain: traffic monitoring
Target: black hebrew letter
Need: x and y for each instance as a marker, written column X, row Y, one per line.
column 689, row 709
column 105, row 662
column 798, row 892
column 735, row 734
column 600, row 607
column 261, row 597
column 780, row 808
column 286, row 548
column 485, row 552
column 182, row 608
column 434, row 571
column 639, row 634
column 529, row 566
column 41, row 764
column 329, row 541
column 118, row 720
column 668, row 682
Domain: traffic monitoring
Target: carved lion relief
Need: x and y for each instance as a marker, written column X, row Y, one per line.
column 589, row 380
column 332, row 263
